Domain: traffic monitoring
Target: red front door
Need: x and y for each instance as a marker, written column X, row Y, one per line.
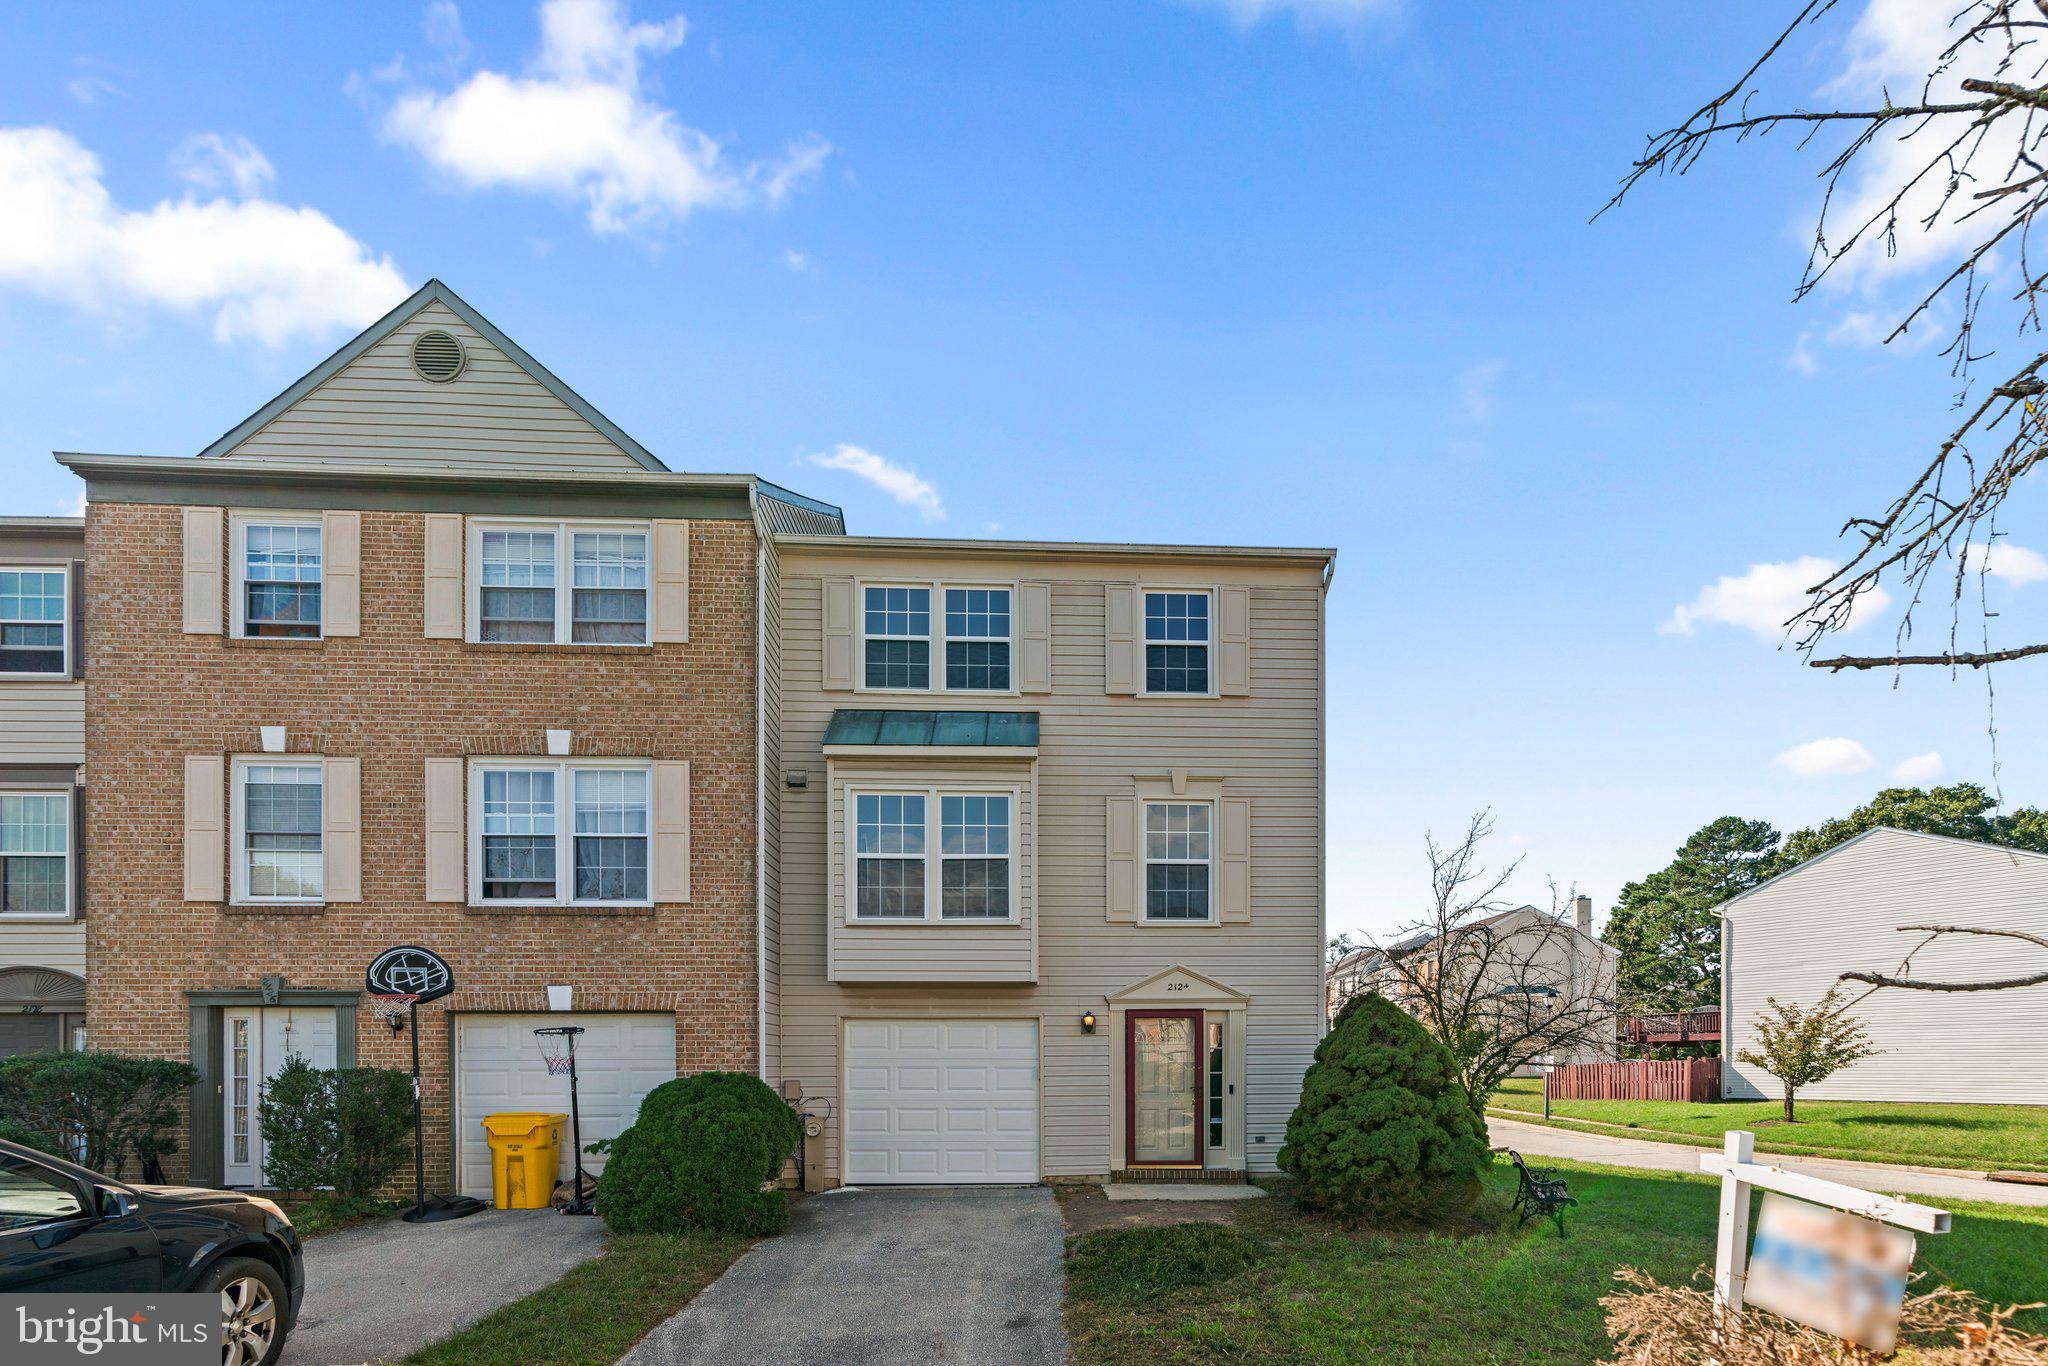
column 1163, row 1088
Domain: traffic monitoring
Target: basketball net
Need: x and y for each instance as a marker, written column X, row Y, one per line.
column 391, row 1008
column 555, row 1052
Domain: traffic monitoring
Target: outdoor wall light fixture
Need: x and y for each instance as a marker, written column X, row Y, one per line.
column 1087, row 1022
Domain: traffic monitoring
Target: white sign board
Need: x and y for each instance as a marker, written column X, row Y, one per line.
column 1843, row 1274
column 1831, row 1262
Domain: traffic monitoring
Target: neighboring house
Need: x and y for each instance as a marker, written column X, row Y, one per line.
column 1793, row 936
column 1540, row 959
column 1050, row 881
column 42, row 746
column 428, row 651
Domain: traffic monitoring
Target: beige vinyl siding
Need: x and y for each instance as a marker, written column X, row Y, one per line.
column 377, row 410
column 941, row 951
column 1094, row 745
column 42, row 723
column 56, row 944
column 1839, row 913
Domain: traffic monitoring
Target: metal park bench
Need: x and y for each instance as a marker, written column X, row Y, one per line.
column 1539, row 1193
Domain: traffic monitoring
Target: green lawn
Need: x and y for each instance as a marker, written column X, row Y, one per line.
column 1976, row 1137
column 593, row 1314
column 1317, row 1292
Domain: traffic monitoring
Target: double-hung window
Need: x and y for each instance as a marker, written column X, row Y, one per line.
column 1177, row 860
column 278, row 854
column 34, row 611
column 35, row 854
column 277, row 579
column 895, row 876
column 559, row 583
column 969, row 638
column 1177, row 642
column 562, row 834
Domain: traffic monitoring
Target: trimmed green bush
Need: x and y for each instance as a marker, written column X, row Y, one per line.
column 348, row 1129
column 1384, row 1132
column 1133, row 1265
column 103, row 1107
column 698, row 1158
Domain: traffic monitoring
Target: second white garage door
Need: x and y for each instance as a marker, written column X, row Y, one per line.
column 941, row 1102
column 498, row 1067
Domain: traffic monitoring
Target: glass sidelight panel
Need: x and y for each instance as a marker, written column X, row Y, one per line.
column 1165, row 1088
column 1216, row 1084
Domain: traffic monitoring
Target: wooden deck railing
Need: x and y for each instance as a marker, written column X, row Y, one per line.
column 1675, row 1026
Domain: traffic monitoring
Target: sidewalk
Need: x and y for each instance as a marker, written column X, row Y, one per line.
column 1533, row 1140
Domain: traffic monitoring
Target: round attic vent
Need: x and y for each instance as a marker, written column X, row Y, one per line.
column 437, row 356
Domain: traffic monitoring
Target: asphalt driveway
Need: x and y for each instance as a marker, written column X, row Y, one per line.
column 384, row 1290
column 955, row 1274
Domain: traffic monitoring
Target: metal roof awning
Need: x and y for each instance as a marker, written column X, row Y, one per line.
column 985, row 733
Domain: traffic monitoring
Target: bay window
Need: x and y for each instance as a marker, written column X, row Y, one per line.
column 896, row 876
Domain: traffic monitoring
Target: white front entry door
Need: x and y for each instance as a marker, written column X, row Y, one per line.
column 498, row 1067
column 941, row 1102
column 255, row 1041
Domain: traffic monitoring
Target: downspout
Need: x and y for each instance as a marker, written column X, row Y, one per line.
column 760, row 785
column 1323, row 800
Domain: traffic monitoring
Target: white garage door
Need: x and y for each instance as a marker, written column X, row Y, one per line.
column 941, row 1102
column 498, row 1067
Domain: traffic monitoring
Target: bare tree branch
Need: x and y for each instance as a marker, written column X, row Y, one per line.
column 1935, row 932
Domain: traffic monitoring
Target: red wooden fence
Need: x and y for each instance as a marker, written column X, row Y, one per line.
column 1693, row 1079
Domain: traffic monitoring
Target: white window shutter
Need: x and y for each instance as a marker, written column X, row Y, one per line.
column 1120, row 638
column 341, row 828
column 1121, row 840
column 1034, row 637
column 838, row 633
column 1234, row 642
column 445, row 798
column 1234, row 861
column 205, row 591
column 206, row 842
column 669, row 596
column 341, row 573
column 671, row 859
column 444, row 591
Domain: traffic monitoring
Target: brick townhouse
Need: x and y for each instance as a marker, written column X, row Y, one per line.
column 426, row 651
column 1004, row 858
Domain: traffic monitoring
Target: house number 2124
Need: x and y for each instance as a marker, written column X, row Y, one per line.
column 1176, row 986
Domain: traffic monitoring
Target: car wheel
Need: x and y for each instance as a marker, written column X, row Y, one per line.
column 252, row 1299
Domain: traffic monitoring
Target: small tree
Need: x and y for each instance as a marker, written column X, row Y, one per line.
column 1800, row 1046
column 101, row 1107
column 1383, row 1130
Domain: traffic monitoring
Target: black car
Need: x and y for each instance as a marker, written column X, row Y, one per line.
column 64, row 1227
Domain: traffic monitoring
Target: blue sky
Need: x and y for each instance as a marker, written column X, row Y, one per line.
column 1313, row 272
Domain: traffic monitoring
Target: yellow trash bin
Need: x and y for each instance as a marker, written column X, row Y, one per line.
column 525, row 1155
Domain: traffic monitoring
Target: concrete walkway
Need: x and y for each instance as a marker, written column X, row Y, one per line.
column 385, row 1290
column 941, row 1274
column 1923, row 1185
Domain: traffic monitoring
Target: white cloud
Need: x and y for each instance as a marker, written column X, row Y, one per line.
column 796, row 260
column 209, row 161
column 1803, row 361
column 1306, row 13
column 1763, row 599
column 2009, row 563
column 900, row 482
column 1479, row 392
column 1920, row 769
column 1826, row 757
column 260, row 269
column 578, row 124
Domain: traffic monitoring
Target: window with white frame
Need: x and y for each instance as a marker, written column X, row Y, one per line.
column 895, row 876
column 34, row 613
column 1177, row 860
column 561, row 834
column 1176, row 642
column 560, row 583
column 968, row 637
column 278, row 855
column 35, row 854
column 277, row 578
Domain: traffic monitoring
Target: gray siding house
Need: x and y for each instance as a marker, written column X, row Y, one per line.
column 1795, row 935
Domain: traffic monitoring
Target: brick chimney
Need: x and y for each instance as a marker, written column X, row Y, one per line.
column 1582, row 914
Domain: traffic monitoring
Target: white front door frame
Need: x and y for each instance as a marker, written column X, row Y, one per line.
column 1181, row 988
column 255, row 1041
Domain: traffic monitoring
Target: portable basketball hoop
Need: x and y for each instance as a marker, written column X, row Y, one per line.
column 398, row 979
column 558, row 1052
